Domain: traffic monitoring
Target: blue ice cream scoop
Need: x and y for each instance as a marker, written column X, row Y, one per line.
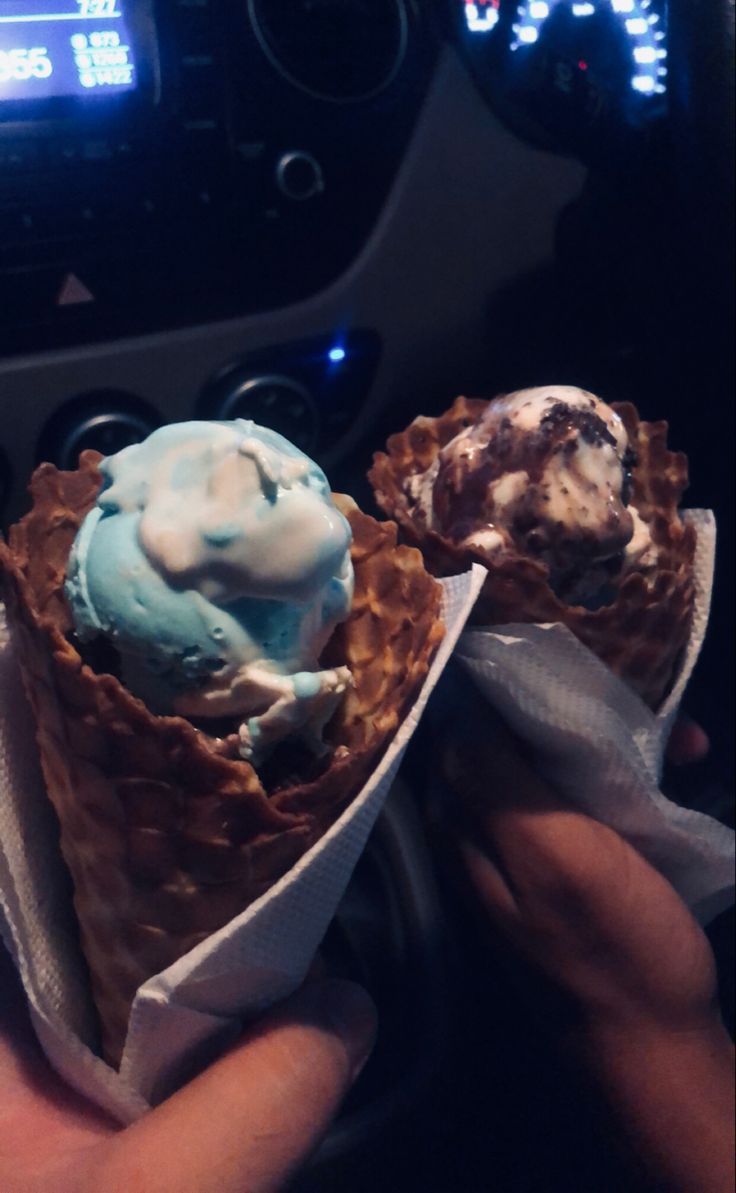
column 217, row 564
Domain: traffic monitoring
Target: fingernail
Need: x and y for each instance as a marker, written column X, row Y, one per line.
column 688, row 742
column 344, row 1008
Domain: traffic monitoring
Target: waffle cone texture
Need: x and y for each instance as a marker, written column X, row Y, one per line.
column 167, row 838
column 642, row 633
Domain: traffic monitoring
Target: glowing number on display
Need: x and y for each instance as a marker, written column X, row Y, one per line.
column 97, row 8
column 481, row 15
column 18, row 65
column 646, row 39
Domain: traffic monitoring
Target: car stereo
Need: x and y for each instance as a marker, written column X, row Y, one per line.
column 56, row 51
column 167, row 162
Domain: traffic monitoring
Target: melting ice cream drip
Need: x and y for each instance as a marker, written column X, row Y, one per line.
column 217, row 564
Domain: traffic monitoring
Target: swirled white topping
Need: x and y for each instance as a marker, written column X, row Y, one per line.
column 218, row 565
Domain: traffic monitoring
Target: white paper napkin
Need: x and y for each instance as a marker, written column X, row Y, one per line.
column 194, row 1008
column 601, row 746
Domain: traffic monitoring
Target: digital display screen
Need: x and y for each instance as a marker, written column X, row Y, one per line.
column 56, row 49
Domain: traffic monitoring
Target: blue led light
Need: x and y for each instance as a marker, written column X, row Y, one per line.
column 645, row 40
column 336, row 354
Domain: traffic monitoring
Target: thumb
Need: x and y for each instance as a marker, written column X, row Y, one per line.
column 251, row 1119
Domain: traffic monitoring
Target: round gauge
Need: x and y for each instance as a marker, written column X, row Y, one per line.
column 573, row 75
column 105, row 420
column 273, row 400
column 335, row 49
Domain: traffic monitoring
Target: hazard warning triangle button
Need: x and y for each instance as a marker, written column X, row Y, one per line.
column 73, row 292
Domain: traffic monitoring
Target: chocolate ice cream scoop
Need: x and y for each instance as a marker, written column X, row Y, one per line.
column 572, row 506
column 545, row 473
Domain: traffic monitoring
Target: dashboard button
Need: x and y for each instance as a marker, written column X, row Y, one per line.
column 299, row 176
column 196, row 125
column 18, row 156
column 127, row 148
column 38, row 296
column 106, row 433
column 97, row 149
column 250, row 151
column 73, row 292
column 272, row 400
column 65, row 153
column 105, row 421
column 89, row 216
column 193, row 61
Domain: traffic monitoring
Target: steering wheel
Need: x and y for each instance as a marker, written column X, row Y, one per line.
column 702, row 120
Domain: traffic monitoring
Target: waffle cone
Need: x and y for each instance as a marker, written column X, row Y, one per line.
column 642, row 633
column 167, row 838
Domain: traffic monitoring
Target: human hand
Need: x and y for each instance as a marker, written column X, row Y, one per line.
column 599, row 937
column 245, row 1124
column 569, row 895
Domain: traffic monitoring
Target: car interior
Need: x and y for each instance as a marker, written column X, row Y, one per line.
column 331, row 216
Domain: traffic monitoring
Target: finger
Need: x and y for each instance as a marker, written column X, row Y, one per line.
column 485, row 767
column 488, row 881
column 548, row 854
column 688, row 742
column 41, row 1119
column 499, row 792
column 251, row 1119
